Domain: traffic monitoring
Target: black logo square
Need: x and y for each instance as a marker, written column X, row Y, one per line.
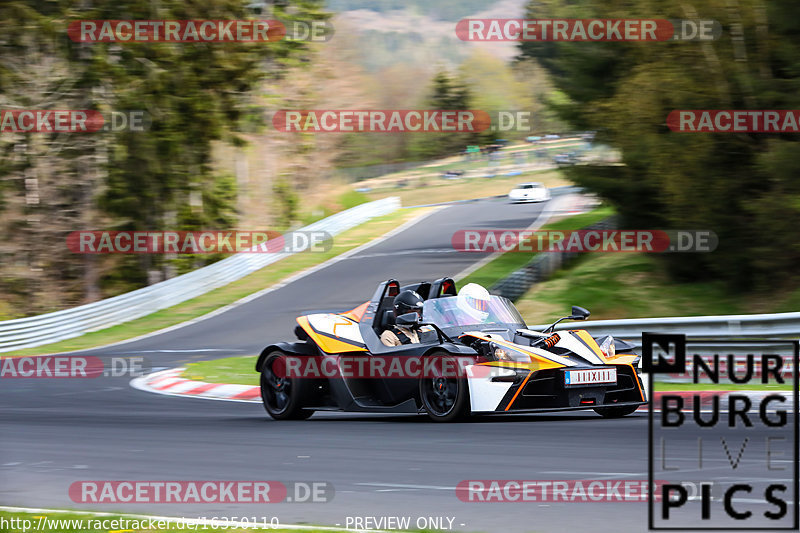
column 664, row 341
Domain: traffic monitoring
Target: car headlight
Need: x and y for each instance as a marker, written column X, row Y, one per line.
column 608, row 347
column 503, row 353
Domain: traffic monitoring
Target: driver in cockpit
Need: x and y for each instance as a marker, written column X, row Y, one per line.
column 473, row 301
column 405, row 302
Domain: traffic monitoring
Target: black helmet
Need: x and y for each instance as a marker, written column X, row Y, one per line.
column 407, row 302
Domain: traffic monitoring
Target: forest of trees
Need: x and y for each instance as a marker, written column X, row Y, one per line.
column 208, row 158
column 51, row 183
column 744, row 187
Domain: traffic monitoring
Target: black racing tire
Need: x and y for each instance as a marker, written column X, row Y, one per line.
column 284, row 398
column 444, row 397
column 616, row 412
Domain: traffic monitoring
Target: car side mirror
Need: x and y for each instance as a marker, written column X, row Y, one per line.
column 579, row 313
column 408, row 320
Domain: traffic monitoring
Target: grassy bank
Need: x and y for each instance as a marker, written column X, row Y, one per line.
column 239, row 370
column 425, row 191
column 636, row 285
column 665, row 386
column 505, row 264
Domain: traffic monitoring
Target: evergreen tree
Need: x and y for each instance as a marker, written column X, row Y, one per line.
column 744, row 187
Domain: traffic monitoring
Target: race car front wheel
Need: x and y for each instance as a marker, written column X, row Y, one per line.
column 282, row 395
column 616, row 412
column 443, row 390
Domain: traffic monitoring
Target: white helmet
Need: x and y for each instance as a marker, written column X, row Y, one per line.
column 473, row 300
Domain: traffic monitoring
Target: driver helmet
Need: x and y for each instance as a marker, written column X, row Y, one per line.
column 473, row 300
column 407, row 302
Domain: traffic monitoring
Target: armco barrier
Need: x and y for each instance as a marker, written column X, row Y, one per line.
column 775, row 325
column 721, row 330
column 60, row 325
column 542, row 266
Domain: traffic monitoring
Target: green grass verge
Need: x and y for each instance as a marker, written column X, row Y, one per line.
column 505, row 264
column 345, row 200
column 461, row 163
column 240, row 370
column 75, row 522
column 482, row 163
column 230, row 293
column 433, row 190
column 636, row 285
column 350, row 198
column 663, row 386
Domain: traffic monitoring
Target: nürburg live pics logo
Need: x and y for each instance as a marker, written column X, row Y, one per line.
column 723, row 433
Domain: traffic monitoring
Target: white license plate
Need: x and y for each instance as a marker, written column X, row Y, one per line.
column 600, row 376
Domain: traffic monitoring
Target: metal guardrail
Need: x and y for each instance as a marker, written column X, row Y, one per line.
column 724, row 327
column 52, row 327
column 542, row 266
column 774, row 325
column 720, row 330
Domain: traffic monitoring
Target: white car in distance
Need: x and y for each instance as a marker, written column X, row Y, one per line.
column 529, row 192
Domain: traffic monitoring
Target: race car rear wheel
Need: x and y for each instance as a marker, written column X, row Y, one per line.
column 443, row 390
column 283, row 397
column 616, row 412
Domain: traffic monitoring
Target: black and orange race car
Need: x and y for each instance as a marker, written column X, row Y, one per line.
column 475, row 356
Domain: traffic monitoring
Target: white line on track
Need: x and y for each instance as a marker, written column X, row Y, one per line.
column 409, row 252
column 295, row 277
column 754, row 479
column 609, row 475
column 276, row 286
column 548, row 211
column 405, row 486
column 191, row 351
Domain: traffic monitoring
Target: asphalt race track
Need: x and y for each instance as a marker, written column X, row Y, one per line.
column 58, row 431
